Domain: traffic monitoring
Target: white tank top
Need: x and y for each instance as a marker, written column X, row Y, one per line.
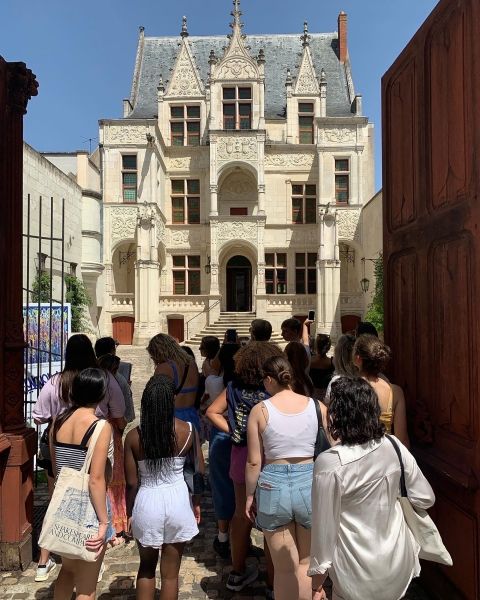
column 290, row 435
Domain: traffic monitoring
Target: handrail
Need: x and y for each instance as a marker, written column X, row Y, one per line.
column 200, row 313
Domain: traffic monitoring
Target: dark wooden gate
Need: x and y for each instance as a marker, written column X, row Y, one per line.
column 431, row 153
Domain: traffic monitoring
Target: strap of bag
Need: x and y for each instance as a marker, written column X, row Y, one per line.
column 321, row 443
column 194, row 448
column 91, row 446
column 403, row 486
column 184, row 378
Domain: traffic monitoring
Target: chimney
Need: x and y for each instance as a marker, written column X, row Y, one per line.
column 342, row 37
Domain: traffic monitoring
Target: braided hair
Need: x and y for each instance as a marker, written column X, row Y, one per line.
column 163, row 347
column 157, row 424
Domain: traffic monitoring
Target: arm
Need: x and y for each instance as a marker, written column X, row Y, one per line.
column 131, row 475
column 98, row 488
column 116, row 404
column 201, row 469
column 326, row 501
column 216, row 410
column 400, row 416
column 306, row 333
column 420, row 492
column 42, row 411
column 254, row 460
column 52, row 449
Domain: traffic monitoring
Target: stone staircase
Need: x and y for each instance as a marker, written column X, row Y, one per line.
column 230, row 320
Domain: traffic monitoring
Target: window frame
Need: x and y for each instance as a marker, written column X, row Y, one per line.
column 279, row 284
column 186, row 136
column 186, row 202
column 341, row 174
column 311, row 116
column 188, row 275
column 129, row 171
column 237, row 101
column 306, row 269
column 304, row 204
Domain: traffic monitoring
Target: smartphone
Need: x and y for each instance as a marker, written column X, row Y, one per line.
column 311, row 315
column 231, row 335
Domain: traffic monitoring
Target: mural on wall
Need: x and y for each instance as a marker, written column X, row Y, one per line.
column 46, row 330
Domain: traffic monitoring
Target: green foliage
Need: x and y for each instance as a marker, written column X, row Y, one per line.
column 41, row 287
column 375, row 310
column 79, row 299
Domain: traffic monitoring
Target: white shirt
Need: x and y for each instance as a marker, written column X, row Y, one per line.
column 214, row 387
column 358, row 531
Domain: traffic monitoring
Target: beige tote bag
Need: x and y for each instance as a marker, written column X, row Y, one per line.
column 71, row 519
column 420, row 523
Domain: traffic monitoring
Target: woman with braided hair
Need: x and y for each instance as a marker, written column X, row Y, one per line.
column 161, row 515
column 283, row 429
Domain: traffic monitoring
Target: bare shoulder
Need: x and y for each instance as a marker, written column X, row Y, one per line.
column 163, row 369
column 132, row 438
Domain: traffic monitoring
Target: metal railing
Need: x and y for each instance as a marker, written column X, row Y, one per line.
column 205, row 311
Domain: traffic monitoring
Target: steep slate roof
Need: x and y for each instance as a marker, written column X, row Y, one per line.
column 281, row 52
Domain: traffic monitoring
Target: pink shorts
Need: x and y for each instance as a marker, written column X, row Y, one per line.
column 238, row 462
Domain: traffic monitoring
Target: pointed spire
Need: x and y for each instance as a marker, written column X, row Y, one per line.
column 236, row 14
column 288, row 80
column 184, row 32
column 212, row 59
column 305, row 38
column 323, row 76
column 261, row 57
column 161, row 85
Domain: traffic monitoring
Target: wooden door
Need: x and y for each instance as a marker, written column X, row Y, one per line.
column 123, row 329
column 431, row 153
column 176, row 328
column 349, row 323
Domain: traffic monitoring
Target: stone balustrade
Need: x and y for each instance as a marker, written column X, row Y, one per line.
column 123, row 300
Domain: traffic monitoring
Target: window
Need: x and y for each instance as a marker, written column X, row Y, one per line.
column 129, row 177
column 186, row 201
column 276, row 273
column 342, row 180
column 186, row 275
column 241, row 211
column 237, row 107
column 305, row 123
column 73, row 269
column 306, row 273
column 304, row 203
column 185, row 125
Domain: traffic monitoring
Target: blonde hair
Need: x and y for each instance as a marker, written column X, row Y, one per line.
column 163, row 347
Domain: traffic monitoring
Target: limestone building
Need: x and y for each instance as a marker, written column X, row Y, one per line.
column 234, row 183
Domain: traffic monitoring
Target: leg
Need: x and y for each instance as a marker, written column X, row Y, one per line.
column 223, row 525
column 80, row 575
column 269, row 565
column 282, row 544
column 66, row 580
column 169, row 568
column 303, row 537
column 146, row 572
column 240, row 529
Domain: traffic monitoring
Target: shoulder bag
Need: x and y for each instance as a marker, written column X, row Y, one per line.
column 321, row 443
column 420, row 523
column 191, row 469
column 71, row 519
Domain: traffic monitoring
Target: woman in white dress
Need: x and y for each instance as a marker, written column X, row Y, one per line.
column 161, row 514
column 359, row 535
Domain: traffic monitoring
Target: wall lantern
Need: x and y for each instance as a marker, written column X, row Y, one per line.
column 365, row 284
column 208, row 266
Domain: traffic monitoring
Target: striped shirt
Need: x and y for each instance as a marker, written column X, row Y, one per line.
column 73, row 455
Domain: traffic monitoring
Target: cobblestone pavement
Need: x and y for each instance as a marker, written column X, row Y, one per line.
column 202, row 575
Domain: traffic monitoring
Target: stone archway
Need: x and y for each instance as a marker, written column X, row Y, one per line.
column 238, row 194
column 239, row 284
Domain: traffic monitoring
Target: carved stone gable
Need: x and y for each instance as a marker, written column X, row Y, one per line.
column 307, row 83
column 237, row 62
column 185, row 80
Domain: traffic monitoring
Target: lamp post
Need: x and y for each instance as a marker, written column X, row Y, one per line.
column 208, row 266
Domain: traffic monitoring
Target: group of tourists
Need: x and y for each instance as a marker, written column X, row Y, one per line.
column 297, row 448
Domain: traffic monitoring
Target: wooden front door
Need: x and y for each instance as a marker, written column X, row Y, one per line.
column 123, row 329
column 349, row 323
column 431, row 150
column 239, row 284
column 176, row 328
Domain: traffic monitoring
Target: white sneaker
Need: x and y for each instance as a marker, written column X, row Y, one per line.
column 43, row 571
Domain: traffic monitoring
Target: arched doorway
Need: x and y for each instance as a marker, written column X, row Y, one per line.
column 239, row 284
column 123, row 328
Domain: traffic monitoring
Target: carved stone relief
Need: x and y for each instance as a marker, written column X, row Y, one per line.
column 289, row 160
column 185, row 81
column 187, row 162
column 307, row 81
column 339, row 135
column 123, row 221
column 347, row 224
column 234, row 148
column 236, row 68
column 235, row 230
column 125, row 134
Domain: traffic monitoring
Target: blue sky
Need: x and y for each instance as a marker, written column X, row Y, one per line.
column 83, row 52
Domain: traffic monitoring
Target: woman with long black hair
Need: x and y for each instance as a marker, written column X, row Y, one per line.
column 159, row 508
column 69, row 442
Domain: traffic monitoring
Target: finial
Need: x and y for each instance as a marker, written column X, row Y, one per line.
column 212, row 59
column 305, row 38
column 288, row 80
column 323, row 76
column 141, row 29
column 184, row 32
column 261, row 57
column 236, row 14
column 161, row 86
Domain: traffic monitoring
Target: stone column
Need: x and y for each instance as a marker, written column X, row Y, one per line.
column 328, row 276
column 18, row 443
column 214, row 294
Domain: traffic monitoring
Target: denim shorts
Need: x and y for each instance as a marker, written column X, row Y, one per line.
column 284, row 494
column 110, row 533
column 223, row 494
